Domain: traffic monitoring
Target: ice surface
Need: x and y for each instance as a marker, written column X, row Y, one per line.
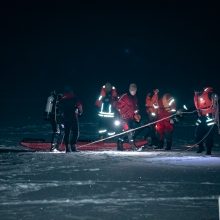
column 107, row 185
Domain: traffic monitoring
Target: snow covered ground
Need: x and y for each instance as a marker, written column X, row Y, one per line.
column 156, row 185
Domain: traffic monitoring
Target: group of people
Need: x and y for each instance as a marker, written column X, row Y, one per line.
column 128, row 109
column 161, row 113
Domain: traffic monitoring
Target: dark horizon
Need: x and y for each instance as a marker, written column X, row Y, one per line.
column 171, row 46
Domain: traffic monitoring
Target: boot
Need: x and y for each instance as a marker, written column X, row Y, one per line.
column 169, row 144
column 133, row 147
column 73, row 148
column 160, row 145
column 201, row 149
column 208, row 150
column 68, row 149
column 54, row 147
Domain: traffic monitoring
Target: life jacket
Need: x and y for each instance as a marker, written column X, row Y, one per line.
column 167, row 106
column 152, row 105
column 204, row 102
column 169, row 103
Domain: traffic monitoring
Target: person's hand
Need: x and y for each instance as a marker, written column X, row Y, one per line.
column 79, row 110
column 137, row 117
column 171, row 121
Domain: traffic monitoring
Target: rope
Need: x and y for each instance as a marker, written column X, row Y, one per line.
column 134, row 129
column 205, row 136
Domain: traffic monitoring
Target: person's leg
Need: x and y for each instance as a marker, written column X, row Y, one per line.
column 169, row 140
column 200, row 134
column 58, row 136
column 154, row 136
column 209, row 141
column 120, row 144
column 132, row 135
column 74, row 134
column 160, row 135
column 102, row 128
column 67, row 137
column 55, row 135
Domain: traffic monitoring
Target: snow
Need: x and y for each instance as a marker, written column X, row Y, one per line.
column 175, row 184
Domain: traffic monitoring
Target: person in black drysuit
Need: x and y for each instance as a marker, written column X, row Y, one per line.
column 70, row 108
column 52, row 114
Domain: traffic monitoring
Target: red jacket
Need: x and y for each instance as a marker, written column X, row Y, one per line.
column 127, row 106
column 151, row 104
column 103, row 94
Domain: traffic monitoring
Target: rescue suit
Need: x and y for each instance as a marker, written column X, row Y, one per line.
column 106, row 104
column 70, row 108
column 52, row 114
column 164, row 128
column 206, row 103
column 127, row 107
column 152, row 107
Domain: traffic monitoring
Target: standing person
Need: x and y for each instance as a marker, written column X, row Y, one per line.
column 106, row 109
column 52, row 114
column 165, row 127
column 206, row 103
column 152, row 108
column 70, row 108
column 127, row 106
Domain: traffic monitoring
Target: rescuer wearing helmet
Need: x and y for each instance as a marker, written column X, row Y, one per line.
column 152, row 108
column 206, row 103
column 106, row 104
column 164, row 128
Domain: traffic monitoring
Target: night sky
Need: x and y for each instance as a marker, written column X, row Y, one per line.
column 173, row 46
